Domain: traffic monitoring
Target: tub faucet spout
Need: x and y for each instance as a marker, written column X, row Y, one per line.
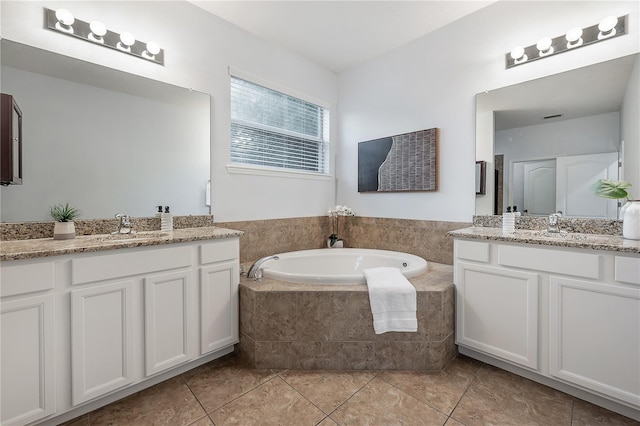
column 256, row 269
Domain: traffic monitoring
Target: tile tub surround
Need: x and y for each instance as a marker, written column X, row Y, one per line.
column 425, row 238
column 305, row 326
column 266, row 237
column 33, row 230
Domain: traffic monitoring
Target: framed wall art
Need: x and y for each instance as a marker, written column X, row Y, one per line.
column 407, row 162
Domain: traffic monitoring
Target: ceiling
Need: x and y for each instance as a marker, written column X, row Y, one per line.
column 340, row 35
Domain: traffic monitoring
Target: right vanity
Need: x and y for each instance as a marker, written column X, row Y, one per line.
column 563, row 311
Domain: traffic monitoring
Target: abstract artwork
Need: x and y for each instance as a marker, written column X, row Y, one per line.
column 407, row 162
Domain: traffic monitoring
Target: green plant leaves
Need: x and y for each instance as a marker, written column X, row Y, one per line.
column 611, row 188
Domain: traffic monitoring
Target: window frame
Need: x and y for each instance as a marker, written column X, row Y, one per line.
column 253, row 169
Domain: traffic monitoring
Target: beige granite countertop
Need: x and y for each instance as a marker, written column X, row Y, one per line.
column 573, row 240
column 43, row 247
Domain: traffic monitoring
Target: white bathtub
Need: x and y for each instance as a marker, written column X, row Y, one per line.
column 338, row 265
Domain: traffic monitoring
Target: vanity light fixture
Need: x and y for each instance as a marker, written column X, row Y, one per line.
column 63, row 21
column 608, row 28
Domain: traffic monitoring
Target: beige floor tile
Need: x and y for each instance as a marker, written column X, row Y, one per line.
column 501, row 398
column 327, row 389
column 587, row 414
column 453, row 422
column 168, row 403
column 272, row 403
column 379, row 403
column 441, row 390
column 327, row 422
column 205, row 421
column 220, row 382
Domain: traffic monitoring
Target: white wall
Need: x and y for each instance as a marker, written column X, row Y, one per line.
column 199, row 49
column 432, row 82
column 630, row 124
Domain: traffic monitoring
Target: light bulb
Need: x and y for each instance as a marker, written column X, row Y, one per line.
column 574, row 37
column 518, row 55
column 127, row 39
column 517, row 52
column 153, row 48
column 544, row 46
column 607, row 27
column 65, row 17
column 65, row 21
column 97, row 28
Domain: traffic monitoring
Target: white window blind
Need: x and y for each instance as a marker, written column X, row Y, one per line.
column 273, row 129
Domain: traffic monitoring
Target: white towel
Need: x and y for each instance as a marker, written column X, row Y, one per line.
column 393, row 300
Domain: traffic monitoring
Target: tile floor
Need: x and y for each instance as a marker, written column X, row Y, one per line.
column 227, row 392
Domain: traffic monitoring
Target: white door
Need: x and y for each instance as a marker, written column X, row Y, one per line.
column 101, row 339
column 497, row 312
column 218, row 306
column 575, row 175
column 28, row 375
column 167, row 301
column 540, row 187
column 594, row 336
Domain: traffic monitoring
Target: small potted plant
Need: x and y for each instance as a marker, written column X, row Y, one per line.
column 64, row 228
column 630, row 212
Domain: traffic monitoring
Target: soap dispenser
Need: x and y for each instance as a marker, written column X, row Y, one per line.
column 166, row 220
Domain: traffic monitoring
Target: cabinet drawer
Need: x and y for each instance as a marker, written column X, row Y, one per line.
column 627, row 270
column 584, row 265
column 109, row 266
column 29, row 278
column 473, row 250
column 219, row 251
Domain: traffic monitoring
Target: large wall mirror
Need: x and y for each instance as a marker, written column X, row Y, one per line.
column 547, row 140
column 103, row 140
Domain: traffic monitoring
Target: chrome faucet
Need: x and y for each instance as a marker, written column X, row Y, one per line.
column 124, row 225
column 256, row 269
column 553, row 227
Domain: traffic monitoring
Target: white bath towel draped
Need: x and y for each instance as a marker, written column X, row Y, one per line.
column 393, row 300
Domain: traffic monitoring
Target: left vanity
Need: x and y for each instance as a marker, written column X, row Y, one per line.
column 90, row 320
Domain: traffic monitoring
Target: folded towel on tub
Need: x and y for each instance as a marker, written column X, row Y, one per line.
column 393, row 300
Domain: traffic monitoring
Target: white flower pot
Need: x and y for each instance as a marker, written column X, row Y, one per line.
column 631, row 220
column 64, row 231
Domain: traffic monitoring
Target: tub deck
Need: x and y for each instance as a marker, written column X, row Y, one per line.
column 314, row 326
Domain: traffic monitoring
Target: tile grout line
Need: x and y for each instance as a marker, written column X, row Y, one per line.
column 417, row 399
column 184, row 380
column 462, row 396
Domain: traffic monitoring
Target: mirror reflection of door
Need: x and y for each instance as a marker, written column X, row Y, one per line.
column 538, row 186
column 575, row 175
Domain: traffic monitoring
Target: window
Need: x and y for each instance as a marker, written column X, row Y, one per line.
column 274, row 130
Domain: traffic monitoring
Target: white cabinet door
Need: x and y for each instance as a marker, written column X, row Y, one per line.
column 101, row 339
column 594, row 336
column 497, row 312
column 218, row 306
column 28, row 375
column 168, row 307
